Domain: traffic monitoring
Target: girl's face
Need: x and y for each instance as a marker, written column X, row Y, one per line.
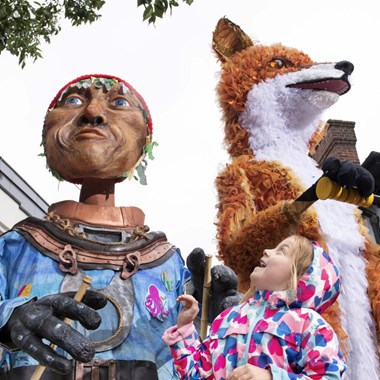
column 275, row 268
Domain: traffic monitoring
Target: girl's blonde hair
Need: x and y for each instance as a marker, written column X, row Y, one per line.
column 302, row 257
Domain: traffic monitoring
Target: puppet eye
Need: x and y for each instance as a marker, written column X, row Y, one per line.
column 277, row 63
column 120, row 102
column 73, row 100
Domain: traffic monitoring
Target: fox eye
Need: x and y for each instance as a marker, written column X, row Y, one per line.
column 277, row 63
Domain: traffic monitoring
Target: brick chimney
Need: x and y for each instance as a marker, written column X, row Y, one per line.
column 339, row 141
column 337, row 138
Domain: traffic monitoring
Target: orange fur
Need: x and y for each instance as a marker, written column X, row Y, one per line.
column 238, row 75
column 317, row 137
column 252, row 193
column 372, row 254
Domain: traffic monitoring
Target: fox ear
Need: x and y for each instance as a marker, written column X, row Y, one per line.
column 228, row 38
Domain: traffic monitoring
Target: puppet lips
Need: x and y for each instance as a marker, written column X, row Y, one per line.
column 339, row 86
column 89, row 133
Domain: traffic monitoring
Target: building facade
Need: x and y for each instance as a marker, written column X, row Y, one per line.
column 17, row 199
column 339, row 140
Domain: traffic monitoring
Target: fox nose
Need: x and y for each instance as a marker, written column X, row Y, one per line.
column 345, row 66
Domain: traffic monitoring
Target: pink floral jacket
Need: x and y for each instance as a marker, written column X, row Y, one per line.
column 293, row 341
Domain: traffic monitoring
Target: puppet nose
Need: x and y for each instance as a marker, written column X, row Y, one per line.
column 93, row 115
column 95, row 121
column 345, row 66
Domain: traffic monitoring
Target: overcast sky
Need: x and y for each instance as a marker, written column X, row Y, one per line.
column 173, row 67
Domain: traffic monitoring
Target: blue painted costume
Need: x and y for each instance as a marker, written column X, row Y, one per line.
column 26, row 273
column 97, row 131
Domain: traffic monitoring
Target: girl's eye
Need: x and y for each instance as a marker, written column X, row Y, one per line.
column 73, row 100
column 277, row 63
column 121, row 102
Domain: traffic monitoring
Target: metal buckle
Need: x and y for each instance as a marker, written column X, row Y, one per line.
column 130, row 265
column 68, row 260
column 93, row 369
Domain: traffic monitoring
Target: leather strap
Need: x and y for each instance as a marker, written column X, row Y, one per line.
column 71, row 252
column 97, row 369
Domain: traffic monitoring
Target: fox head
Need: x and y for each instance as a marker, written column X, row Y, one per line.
column 272, row 95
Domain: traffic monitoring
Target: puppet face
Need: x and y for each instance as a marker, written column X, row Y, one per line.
column 272, row 95
column 275, row 268
column 95, row 132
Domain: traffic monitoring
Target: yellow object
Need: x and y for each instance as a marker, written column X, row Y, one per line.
column 328, row 189
column 26, row 291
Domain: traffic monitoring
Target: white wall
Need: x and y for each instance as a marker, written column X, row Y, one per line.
column 10, row 213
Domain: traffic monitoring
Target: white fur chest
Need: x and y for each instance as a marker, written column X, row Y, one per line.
column 281, row 121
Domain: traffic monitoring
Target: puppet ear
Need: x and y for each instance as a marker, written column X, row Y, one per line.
column 228, row 39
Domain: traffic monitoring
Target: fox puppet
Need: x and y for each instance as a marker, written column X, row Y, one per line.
column 272, row 99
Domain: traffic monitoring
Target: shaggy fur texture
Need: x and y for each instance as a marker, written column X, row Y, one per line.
column 271, row 121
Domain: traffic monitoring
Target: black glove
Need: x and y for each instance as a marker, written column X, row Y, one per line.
column 349, row 175
column 224, row 284
column 36, row 320
column 372, row 164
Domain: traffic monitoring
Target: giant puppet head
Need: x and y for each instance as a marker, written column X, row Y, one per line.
column 97, row 126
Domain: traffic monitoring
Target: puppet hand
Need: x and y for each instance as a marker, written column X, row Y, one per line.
column 250, row 372
column 33, row 321
column 224, row 283
column 349, row 175
column 224, row 294
column 189, row 311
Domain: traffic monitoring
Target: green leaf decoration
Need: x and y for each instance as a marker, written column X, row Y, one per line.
column 63, row 94
column 124, row 175
column 149, row 149
column 56, row 175
column 140, row 169
column 85, row 83
column 98, row 82
column 108, row 83
column 144, row 112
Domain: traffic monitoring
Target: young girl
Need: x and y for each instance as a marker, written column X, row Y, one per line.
column 278, row 333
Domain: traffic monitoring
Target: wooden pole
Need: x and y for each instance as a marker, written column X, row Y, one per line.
column 39, row 371
column 206, row 296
